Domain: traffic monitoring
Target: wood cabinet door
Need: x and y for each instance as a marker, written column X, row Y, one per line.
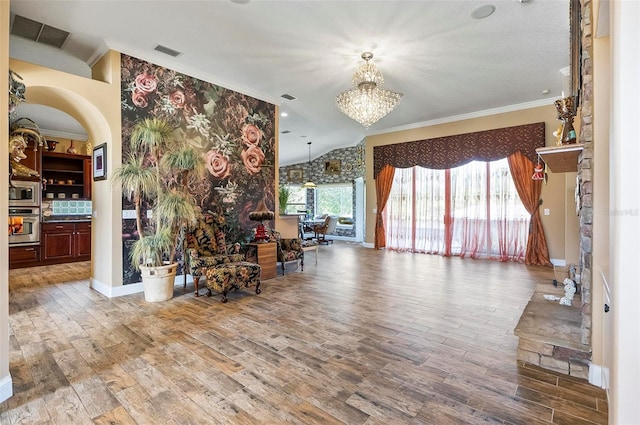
column 58, row 244
column 83, row 241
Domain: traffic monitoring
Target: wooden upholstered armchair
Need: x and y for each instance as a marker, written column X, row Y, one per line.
column 322, row 230
column 206, row 247
column 288, row 249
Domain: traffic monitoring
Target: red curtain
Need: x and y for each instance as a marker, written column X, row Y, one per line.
column 384, row 181
column 529, row 190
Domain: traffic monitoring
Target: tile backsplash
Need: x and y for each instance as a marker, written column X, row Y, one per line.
column 67, row 207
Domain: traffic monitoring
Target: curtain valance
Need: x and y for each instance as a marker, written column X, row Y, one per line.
column 452, row 151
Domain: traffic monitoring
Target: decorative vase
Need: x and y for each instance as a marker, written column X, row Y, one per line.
column 566, row 112
column 51, row 145
column 158, row 282
column 71, row 149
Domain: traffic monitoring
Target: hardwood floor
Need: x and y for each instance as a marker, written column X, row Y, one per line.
column 363, row 337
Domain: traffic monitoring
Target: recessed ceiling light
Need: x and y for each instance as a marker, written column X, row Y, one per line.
column 546, row 91
column 483, row 11
column 284, row 114
column 240, row 1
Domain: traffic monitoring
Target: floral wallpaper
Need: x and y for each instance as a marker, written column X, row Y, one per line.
column 234, row 132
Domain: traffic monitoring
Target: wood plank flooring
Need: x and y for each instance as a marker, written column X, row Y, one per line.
column 363, row 337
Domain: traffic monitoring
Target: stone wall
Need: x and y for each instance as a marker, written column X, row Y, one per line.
column 351, row 167
column 585, row 163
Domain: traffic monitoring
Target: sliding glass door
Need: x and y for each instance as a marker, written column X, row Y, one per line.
column 473, row 210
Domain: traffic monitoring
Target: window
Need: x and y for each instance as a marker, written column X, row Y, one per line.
column 297, row 200
column 335, row 199
column 473, row 210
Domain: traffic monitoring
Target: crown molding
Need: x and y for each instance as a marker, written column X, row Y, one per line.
column 471, row 115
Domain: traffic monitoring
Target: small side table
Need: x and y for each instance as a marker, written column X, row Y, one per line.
column 264, row 254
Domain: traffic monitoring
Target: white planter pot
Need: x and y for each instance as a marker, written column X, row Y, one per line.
column 158, row 282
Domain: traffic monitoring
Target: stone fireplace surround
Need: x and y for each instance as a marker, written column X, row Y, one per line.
column 553, row 336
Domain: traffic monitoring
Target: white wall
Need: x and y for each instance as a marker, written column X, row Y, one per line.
column 6, row 389
column 625, row 211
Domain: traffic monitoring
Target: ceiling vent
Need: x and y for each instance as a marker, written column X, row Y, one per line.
column 167, row 51
column 285, row 132
column 38, row 32
column 288, row 97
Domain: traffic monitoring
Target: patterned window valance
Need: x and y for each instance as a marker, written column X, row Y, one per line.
column 452, row 151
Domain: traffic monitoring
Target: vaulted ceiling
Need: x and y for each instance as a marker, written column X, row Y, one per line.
column 447, row 63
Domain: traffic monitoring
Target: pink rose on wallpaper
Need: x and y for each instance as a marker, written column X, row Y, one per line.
column 251, row 135
column 217, row 164
column 253, row 158
column 139, row 99
column 146, row 83
column 177, row 98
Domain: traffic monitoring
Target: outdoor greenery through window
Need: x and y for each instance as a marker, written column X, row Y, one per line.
column 335, row 199
column 297, row 200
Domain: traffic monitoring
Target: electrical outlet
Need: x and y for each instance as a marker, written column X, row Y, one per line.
column 128, row 214
column 546, row 211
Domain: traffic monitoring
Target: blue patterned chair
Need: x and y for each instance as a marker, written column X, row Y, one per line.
column 206, row 248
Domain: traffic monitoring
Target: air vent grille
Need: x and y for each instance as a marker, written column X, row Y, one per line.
column 288, row 97
column 38, row 32
column 167, row 51
column 285, row 132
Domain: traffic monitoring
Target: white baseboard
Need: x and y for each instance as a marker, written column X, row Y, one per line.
column 558, row 261
column 6, row 388
column 598, row 375
column 132, row 288
column 368, row 245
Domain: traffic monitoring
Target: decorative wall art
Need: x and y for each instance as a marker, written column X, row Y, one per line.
column 332, row 167
column 99, row 162
column 295, row 175
column 234, row 132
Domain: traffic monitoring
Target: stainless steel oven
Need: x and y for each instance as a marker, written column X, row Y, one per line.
column 24, row 193
column 24, row 226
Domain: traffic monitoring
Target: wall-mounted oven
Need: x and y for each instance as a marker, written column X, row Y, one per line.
column 24, row 226
column 24, row 193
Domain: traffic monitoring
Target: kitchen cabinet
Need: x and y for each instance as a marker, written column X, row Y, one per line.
column 66, row 242
column 66, row 175
column 24, row 256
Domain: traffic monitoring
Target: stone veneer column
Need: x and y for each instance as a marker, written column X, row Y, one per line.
column 585, row 174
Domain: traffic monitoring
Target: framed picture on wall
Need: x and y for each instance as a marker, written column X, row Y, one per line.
column 294, row 175
column 99, row 162
column 332, row 167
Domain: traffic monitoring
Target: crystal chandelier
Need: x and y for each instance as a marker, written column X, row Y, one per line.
column 368, row 101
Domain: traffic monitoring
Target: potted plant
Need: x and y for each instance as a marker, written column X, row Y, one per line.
column 283, row 198
column 157, row 171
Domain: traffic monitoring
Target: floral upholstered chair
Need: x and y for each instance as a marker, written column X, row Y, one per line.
column 207, row 247
column 288, row 249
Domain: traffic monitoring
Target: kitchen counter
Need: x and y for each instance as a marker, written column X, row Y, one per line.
column 67, row 219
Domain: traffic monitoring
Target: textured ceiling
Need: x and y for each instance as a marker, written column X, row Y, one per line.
column 446, row 63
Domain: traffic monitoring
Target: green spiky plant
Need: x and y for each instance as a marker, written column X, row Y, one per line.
column 283, row 198
column 157, row 170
